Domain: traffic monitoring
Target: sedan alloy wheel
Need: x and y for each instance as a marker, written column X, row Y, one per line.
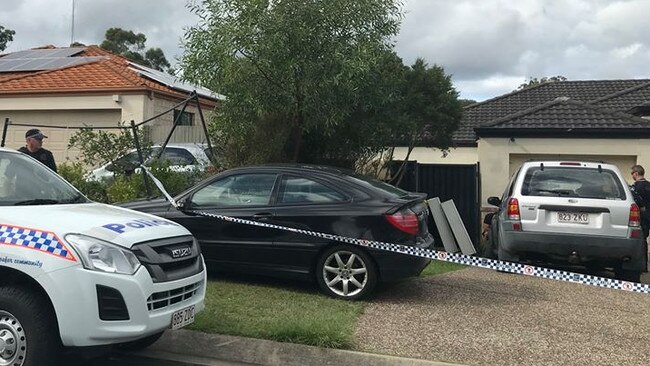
column 346, row 273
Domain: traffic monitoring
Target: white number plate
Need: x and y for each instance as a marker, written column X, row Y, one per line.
column 573, row 217
column 183, row 317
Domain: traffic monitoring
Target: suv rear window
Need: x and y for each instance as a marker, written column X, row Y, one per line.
column 572, row 182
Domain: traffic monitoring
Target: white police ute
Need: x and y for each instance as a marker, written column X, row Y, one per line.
column 75, row 273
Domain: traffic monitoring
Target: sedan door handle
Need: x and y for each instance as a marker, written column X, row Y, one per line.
column 262, row 216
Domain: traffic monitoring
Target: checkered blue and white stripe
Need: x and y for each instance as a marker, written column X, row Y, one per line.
column 43, row 241
column 519, row 268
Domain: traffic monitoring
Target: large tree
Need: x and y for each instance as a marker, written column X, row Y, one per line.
column 132, row 46
column 314, row 81
column 288, row 67
column 6, row 36
column 428, row 111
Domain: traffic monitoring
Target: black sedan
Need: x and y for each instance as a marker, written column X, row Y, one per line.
column 316, row 198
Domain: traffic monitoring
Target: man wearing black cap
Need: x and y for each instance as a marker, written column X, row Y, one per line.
column 34, row 148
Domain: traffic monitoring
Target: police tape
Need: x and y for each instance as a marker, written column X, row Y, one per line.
column 466, row 260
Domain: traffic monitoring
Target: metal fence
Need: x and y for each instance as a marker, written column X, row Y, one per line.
column 458, row 182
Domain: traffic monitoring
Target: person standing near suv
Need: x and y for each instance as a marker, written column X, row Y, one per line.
column 34, row 148
column 642, row 189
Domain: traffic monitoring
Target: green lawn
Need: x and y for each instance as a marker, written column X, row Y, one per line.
column 439, row 267
column 277, row 313
column 285, row 313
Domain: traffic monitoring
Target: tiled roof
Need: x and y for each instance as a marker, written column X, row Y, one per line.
column 479, row 114
column 566, row 116
column 112, row 73
column 625, row 100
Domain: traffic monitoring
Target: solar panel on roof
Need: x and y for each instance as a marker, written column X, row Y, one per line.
column 172, row 81
column 10, row 65
column 66, row 52
column 44, row 63
column 45, row 53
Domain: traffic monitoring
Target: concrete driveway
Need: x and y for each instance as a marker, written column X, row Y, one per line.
column 482, row 317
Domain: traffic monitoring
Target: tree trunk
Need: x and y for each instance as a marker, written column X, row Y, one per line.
column 397, row 179
column 297, row 140
column 402, row 169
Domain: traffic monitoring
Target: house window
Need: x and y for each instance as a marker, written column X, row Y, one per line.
column 186, row 119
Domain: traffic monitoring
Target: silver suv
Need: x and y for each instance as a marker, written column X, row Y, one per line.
column 578, row 213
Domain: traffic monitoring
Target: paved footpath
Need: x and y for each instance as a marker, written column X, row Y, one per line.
column 481, row 317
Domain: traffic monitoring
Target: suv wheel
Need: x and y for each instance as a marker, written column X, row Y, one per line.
column 491, row 246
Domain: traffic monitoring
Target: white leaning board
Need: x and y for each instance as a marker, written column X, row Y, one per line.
column 456, row 223
column 442, row 224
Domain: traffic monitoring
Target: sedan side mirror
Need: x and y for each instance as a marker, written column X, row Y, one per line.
column 494, row 201
column 184, row 204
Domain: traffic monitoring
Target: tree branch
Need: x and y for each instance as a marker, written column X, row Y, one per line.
column 257, row 66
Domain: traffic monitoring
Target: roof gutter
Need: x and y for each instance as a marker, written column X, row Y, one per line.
column 99, row 91
column 565, row 132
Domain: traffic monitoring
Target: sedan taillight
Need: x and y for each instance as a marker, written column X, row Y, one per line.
column 406, row 221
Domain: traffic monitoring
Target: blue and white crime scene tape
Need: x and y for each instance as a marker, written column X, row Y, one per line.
column 479, row 262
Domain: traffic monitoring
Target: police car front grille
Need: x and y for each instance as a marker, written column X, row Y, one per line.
column 158, row 257
column 163, row 299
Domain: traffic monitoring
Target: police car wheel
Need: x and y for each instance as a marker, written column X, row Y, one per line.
column 142, row 343
column 28, row 333
column 346, row 272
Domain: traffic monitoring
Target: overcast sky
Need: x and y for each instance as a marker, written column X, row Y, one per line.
column 489, row 46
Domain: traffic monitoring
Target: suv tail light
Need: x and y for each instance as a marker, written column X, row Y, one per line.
column 513, row 210
column 635, row 221
column 406, row 221
column 635, row 216
column 514, row 214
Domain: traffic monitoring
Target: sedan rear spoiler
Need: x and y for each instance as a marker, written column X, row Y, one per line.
column 408, row 200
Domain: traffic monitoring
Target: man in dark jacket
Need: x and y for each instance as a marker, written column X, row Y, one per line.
column 34, row 148
column 641, row 189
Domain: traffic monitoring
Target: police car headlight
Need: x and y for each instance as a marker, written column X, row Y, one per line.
column 99, row 255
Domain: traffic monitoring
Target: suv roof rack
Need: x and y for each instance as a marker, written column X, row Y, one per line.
column 577, row 160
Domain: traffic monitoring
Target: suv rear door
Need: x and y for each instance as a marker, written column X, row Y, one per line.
column 573, row 198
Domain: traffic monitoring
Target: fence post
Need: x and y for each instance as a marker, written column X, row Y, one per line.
column 4, row 132
column 137, row 147
column 176, row 120
column 205, row 128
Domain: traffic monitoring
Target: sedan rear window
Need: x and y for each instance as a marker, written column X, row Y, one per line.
column 302, row 190
column 375, row 184
column 572, row 182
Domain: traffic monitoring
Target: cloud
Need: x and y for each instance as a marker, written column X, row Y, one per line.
column 493, row 46
column 481, row 89
column 489, row 46
column 42, row 22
